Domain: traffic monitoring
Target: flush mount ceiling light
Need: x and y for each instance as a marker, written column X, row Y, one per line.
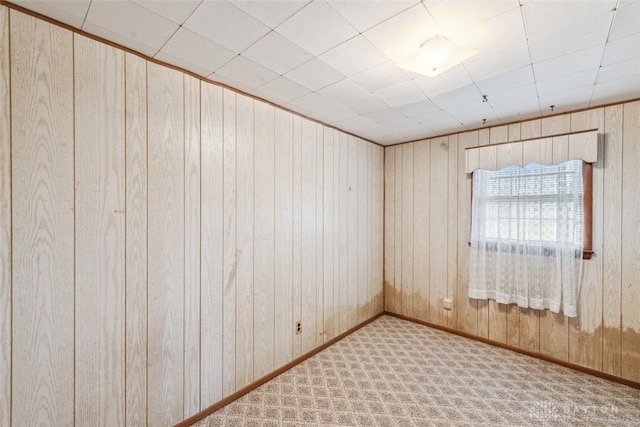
column 435, row 56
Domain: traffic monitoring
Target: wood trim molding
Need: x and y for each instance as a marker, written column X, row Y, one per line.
column 238, row 394
column 573, row 366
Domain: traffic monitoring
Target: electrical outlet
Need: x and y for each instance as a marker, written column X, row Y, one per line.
column 447, row 304
column 298, row 327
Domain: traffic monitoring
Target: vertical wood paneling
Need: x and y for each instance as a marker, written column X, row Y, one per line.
column 352, row 252
column 230, row 264
column 166, row 245
column 319, row 230
column 398, row 208
column 363, row 219
column 378, row 229
column 192, row 233
column 329, row 233
column 5, row 222
column 200, row 226
column 338, row 302
column 554, row 327
column 100, row 232
column 309, row 249
column 136, row 240
column 284, row 320
column 585, row 336
column 630, row 343
column 612, row 244
column 389, row 229
column 264, row 261
column 297, row 231
column 43, row 222
column 452, row 228
column 343, row 199
column 465, row 308
column 438, row 184
column 369, row 199
column 211, row 245
column 407, row 230
column 598, row 336
column 244, row 260
column 421, row 197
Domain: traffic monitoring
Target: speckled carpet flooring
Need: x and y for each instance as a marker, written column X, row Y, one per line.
column 397, row 373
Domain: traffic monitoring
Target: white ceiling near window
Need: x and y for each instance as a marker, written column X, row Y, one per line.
column 332, row 60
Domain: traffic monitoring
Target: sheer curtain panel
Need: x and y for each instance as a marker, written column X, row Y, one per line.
column 527, row 236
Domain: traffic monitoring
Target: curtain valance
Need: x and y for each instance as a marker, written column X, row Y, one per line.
column 546, row 151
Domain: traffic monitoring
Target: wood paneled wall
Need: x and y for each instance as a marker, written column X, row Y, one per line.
column 427, row 227
column 160, row 235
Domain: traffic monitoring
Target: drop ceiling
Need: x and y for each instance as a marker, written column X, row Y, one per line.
column 333, row 60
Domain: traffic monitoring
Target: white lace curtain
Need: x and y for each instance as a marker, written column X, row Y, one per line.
column 527, row 236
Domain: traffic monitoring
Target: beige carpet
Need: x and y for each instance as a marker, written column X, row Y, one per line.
column 397, row 373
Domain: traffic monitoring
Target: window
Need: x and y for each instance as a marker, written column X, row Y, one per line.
column 530, row 231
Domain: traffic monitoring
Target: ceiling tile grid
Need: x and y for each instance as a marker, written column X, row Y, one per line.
column 334, row 60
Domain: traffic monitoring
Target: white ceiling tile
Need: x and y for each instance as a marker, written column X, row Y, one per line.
column 524, row 109
column 282, row 89
column 356, row 124
column 194, row 52
column 404, row 33
column 434, row 118
column 420, row 107
column 245, row 72
column 482, row 67
column 364, row 14
column 277, row 53
column 568, row 64
column 622, row 49
column 572, row 38
column 226, row 25
column 616, row 90
column 458, row 15
column 568, row 100
column 129, row 24
column 384, row 115
column 484, row 38
column 379, row 77
column 317, row 28
column 68, row 12
column 625, row 22
column 401, row 94
column 315, row 75
column 343, row 91
column 334, row 115
column 354, row 56
column 570, row 81
column 365, row 103
column 620, row 70
column 174, row 10
column 471, row 116
column 458, row 96
column 271, row 12
column 509, row 80
column 313, row 103
column 510, row 96
column 543, row 17
column 452, row 79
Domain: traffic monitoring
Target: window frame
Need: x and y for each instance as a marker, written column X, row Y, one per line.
column 587, row 173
